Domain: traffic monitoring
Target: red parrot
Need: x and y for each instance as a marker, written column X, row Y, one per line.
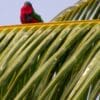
column 28, row 15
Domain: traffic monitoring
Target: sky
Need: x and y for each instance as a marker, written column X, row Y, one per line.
column 48, row 9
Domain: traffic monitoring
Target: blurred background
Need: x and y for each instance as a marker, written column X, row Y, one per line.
column 48, row 9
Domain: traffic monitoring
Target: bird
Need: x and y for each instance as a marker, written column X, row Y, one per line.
column 28, row 14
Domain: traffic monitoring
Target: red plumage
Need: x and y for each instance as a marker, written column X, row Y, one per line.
column 27, row 14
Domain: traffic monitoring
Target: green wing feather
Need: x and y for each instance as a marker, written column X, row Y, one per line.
column 38, row 17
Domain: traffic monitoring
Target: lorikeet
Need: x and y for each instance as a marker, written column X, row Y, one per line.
column 28, row 15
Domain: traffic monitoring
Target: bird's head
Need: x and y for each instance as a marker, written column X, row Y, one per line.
column 28, row 3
